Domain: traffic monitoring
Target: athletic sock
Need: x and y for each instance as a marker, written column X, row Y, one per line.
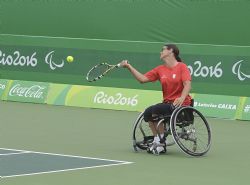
column 157, row 139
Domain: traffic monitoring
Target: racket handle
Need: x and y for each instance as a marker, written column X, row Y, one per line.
column 119, row 65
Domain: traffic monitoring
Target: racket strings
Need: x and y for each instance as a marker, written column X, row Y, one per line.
column 98, row 71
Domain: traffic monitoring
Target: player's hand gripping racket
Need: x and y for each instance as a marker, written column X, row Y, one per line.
column 98, row 71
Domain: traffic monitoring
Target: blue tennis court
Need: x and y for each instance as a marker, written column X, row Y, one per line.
column 21, row 163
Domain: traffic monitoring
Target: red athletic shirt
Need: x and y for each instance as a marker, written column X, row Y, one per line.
column 171, row 81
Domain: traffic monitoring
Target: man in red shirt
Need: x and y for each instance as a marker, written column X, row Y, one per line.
column 175, row 80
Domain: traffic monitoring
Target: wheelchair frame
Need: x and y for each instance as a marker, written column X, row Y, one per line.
column 183, row 124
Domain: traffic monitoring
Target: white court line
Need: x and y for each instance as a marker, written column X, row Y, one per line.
column 12, row 149
column 74, row 156
column 76, row 38
column 131, row 41
column 14, row 153
column 55, row 171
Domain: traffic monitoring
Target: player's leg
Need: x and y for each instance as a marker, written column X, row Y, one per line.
column 151, row 119
column 162, row 110
column 153, row 114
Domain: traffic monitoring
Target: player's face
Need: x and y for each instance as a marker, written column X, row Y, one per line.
column 165, row 52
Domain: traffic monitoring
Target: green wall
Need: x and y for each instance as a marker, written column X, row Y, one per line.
column 224, row 22
column 212, row 37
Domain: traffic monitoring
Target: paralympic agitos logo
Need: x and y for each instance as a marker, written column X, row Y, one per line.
column 236, row 69
column 52, row 64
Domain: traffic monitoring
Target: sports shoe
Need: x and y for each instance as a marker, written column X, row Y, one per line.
column 151, row 147
column 157, row 148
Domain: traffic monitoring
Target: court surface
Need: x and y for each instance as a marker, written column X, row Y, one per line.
column 38, row 140
column 21, row 163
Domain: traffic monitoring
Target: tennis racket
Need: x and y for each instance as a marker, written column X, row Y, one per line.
column 98, row 71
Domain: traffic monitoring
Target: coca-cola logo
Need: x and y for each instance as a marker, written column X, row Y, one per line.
column 35, row 91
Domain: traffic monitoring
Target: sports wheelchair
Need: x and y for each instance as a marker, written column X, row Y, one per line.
column 187, row 126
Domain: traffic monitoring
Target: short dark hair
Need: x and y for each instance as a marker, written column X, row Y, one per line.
column 176, row 51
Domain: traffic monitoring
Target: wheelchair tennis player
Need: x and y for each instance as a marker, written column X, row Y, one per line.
column 175, row 80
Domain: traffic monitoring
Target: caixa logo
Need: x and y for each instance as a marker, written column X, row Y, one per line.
column 236, row 69
column 35, row 91
column 118, row 99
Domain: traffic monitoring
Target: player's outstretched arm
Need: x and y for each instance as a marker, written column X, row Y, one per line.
column 138, row 76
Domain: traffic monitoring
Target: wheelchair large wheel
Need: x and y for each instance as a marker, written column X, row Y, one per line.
column 142, row 134
column 191, row 131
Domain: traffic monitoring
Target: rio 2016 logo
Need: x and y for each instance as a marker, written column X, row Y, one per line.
column 118, row 99
column 18, row 59
column 199, row 70
column 205, row 71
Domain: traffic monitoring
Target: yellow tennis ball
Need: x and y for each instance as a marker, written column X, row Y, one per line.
column 70, row 59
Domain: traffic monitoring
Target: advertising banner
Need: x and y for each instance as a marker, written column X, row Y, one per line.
column 3, row 86
column 37, row 63
column 102, row 97
column 137, row 100
column 217, row 105
column 26, row 91
column 230, row 107
column 246, row 109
